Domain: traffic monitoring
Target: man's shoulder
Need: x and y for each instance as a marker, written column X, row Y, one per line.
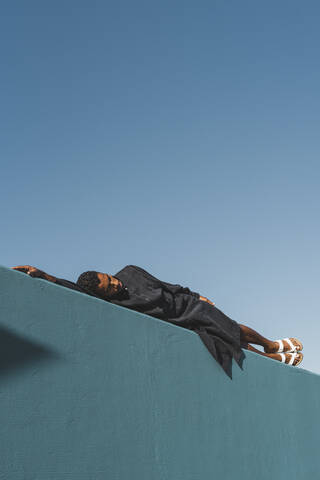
column 127, row 267
column 128, row 271
column 135, row 271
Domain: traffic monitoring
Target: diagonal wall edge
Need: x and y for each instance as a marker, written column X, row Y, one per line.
column 90, row 390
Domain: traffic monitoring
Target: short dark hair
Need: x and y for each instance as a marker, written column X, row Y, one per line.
column 89, row 281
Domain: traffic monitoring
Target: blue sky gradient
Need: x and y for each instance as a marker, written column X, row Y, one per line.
column 179, row 136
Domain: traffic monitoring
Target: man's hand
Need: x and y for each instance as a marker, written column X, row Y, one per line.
column 204, row 299
column 34, row 272
column 29, row 270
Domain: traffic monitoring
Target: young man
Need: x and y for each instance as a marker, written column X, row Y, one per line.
column 138, row 290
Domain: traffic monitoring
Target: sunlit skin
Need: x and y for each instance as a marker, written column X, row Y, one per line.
column 109, row 286
column 35, row 272
column 204, row 299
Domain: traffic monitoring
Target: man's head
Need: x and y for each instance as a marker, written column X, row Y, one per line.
column 100, row 284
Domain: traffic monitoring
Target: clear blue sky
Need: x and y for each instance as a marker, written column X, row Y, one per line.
column 179, row 136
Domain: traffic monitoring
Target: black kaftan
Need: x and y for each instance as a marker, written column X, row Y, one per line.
column 180, row 306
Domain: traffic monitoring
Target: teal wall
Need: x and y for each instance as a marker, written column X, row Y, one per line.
column 92, row 391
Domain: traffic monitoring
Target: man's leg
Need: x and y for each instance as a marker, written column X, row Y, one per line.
column 248, row 335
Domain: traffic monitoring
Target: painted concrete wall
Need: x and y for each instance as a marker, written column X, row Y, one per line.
column 92, row 391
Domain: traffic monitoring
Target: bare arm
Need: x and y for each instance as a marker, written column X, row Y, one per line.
column 204, row 299
column 35, row 272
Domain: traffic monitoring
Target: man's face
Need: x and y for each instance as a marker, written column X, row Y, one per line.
column 108, row 285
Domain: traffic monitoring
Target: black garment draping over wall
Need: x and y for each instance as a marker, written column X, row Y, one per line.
column 180, row 306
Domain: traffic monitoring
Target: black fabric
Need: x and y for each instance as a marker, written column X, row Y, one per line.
column 180, row 306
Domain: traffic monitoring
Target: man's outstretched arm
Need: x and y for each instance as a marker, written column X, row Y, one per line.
column 35, row 272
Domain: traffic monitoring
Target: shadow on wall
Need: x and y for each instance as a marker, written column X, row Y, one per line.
column 18, row 353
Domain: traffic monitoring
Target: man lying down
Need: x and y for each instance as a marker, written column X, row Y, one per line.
column 138, row 290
